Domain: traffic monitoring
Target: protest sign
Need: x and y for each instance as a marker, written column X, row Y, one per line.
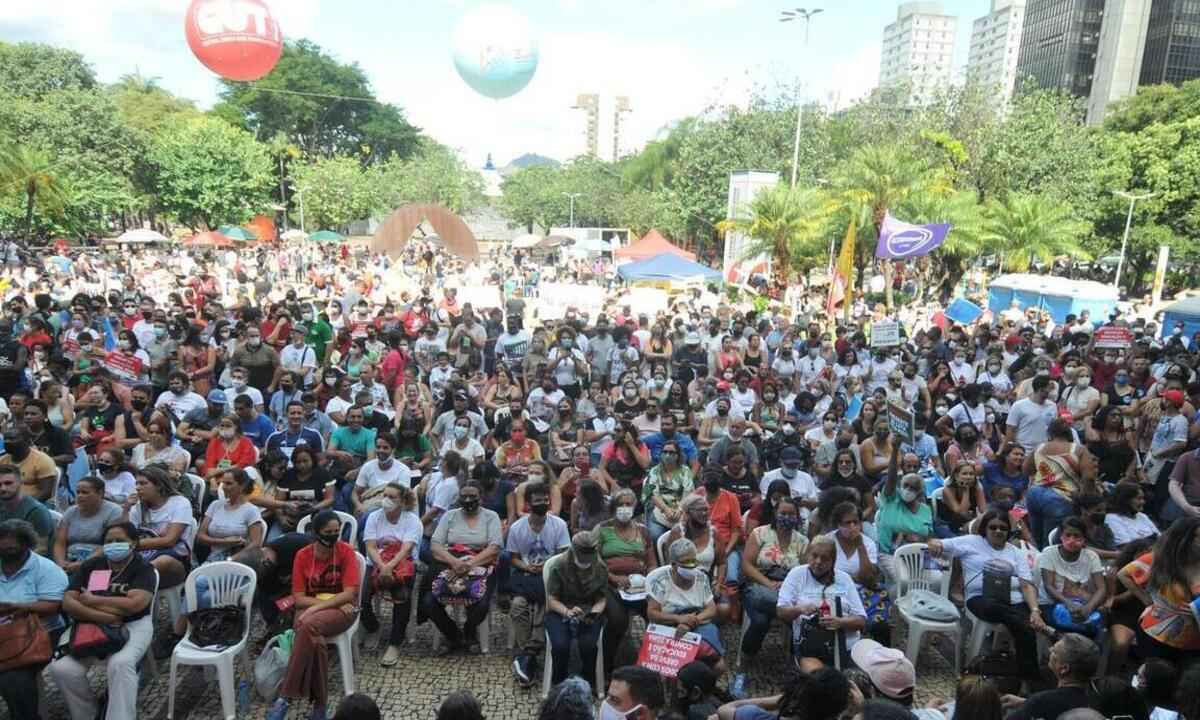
column 481, row 297
column 663, row 653
column 901, row 422
column 1113, row 337
column 554, row 299
column 885, row 334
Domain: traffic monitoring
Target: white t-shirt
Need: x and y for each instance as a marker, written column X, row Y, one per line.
column 473, row 453
column 370, row 475
column 800, row 587
column 975, row 552
column 255, row 396
column 962, row 414
column 1031, row 422
column 175, row 511
column 224, row 521
column 849, row 564
column 180, row 405
column 441, row 492
column 407, row 528
column 1072, row 577
column 120, row 487
column 674, row 599
column 1128, row 529
column 299, row 360
column 801, row 484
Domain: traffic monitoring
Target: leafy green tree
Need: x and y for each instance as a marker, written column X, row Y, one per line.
column 531, row 198
column 968, row 239
column 1033, row 227
column 788, row 224
column 33, row 175
column 294, row 100
column 209, row 172
column 434, row 174
column 31, row 71
column 1154, row 104
column 337, row 191
column 144, row 106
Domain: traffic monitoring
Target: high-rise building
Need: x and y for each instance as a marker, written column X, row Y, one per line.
column 590, row 105
column 621, row 107
column 995, row 44
column 1119, row 61
column 1172, row 53
column 1059, row 43
column 918, row 50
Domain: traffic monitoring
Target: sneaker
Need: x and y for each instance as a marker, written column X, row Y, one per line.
column 738, row 688
column 278, row 710
column 522, row 670
column 369, row 622
column 391, row 657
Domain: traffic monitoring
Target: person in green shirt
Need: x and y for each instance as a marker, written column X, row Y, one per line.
column 413, row 447
column 352, row 445
column 320, row 332
column 904, row 516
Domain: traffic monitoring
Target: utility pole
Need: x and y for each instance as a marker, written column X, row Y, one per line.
column 1128, row 224
column 571, row 197
column 788, row 16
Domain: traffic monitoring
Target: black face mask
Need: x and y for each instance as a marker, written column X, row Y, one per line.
column 11, row 556
column 842, row 444
column 138, row 404
column 712, row 485
column 470, row 505
column 328, row 539
column 104, row 468
column 540, row 509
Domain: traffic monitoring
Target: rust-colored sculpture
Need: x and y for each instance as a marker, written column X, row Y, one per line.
column 395, row 232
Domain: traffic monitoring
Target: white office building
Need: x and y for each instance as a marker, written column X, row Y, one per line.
column 995, row 46
column 918, row 50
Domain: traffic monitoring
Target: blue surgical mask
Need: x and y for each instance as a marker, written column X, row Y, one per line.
column 117, row 551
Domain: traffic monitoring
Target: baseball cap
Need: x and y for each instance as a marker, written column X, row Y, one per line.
column 1175, row 397
column 890, row 672
column 217, row 396
column 790, row 455
column 1012, row 341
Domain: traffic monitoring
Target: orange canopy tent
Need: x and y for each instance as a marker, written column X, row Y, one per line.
column 651, row 244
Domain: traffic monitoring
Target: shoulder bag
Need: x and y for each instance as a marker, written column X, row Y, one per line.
column 24, row 641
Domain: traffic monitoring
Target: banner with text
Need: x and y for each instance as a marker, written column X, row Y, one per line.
column 554, row 299
column 665, row 654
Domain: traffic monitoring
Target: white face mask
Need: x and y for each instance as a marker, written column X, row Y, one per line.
column 1083, row 382
column 390, row 504
column 227, row 433
column 239, row 385
column 788, row 472
column 608, row 712
column 123, row 344
column 908, row 494
column 624, row 514
column 687, row 573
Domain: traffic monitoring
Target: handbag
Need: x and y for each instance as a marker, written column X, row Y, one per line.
column 217, row 626
column 404, row 571
column 24, row 641
column 465, row 590
column 814, row 641
column 94, row 640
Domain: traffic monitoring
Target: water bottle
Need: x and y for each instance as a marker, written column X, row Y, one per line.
column 738, row 688
column 243, row 697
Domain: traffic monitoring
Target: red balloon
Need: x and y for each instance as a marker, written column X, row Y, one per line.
column 236, row 39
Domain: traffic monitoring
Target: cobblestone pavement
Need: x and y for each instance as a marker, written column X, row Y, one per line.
column 415, row 687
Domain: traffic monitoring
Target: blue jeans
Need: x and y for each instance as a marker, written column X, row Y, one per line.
column 561, row 634
column 759, row 604
column 733, row 567
column 656, row 531
column 1047, row 510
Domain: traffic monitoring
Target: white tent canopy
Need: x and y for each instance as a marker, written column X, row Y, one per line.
column 526, row 241
column 141, row 235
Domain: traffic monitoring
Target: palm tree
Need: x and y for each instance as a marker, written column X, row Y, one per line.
column 879, row 178
column 1028, row 227
column 786, row 223
column 32, row 173
column 969, row 235
column 655, row 166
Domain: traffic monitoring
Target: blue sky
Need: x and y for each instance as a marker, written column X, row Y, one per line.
column 670, row 57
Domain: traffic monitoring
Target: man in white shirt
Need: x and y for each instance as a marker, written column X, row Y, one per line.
column 512, row 344
column 811, row 367
column 376, row 473
column 298, row 357
column 1030, row 417
column 240, row 377
column 968, row 411
column 380, row 400
column 801, row 485
column 179, row 399
column 543, row 402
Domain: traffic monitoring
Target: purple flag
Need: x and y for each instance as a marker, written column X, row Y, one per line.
column 900, row 240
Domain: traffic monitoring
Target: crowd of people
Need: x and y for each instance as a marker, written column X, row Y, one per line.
column 343, row 425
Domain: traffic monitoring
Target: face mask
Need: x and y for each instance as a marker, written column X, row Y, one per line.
column 117, row 551
column 390, row 504
column 104, row 468
column 1122, row 379
column 769, row 397
column 1003, row 505
column 1083, row 382
column 608, row 712
column 722, row 411
column 239, row 385
column 989, row 418
column 940, row 410
column 908, row 494
column 566, row 343
column 160, row 332
column 540, row 509
column 460, row 432
column 470, row 504
column 130, row 311
column 85, row 349
column 123, row 344
column 253, row 342
column 687, row 573
column 624, row 514
column 660, row 382
column 789, row 429
column 787, row 522
column 328, row 539
column 788, row 472
column 138, row 404
column 630, row 393
column 227, row 433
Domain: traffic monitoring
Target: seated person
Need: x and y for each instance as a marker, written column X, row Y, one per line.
column 233, row 523
column 576, row 592
column 125, row 602
column 272, row 565
column 858, row 557
column 306, row 488
column 350, row 445
column 532, row 540
column 375, row 475
column 1073, row 660
column 626, row 549
column 118, row 480
column 804, row 601
column 325, row 588
column 393, row 537
column 158, row 448
column 80, row 532
column 28, row 582
column 680, row 596
column 772, row 550
column 1072, row 576
column 711, row 555
column 228, row 448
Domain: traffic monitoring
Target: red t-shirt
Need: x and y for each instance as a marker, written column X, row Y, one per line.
column 313, row 577
column 725, row 515
column 243, row 454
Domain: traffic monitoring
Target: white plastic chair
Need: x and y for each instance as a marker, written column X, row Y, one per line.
column 199, row 485
column 660, row 547
column 1052, row 538
column 346, row 647
column 548, row 660
column 911, row 575
column 935, row 498
column 229, row 583
column 346, row 519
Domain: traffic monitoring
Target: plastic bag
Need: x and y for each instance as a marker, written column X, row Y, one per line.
column 271, row 666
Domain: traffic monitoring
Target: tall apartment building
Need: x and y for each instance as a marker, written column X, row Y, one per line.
column 918, row 50
column 620, row 107
column 590, row 105
column 1059, row 43
column 1172, row 52
column 1119, row 58
column 995, row 45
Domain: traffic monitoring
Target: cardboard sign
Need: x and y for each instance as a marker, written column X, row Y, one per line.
column 1113, row 337
column 554, row 299
column 663, row 653
column 900, row 420
column 885, row 334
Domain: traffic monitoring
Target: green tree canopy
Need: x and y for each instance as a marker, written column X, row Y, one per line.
column 434, row 174
column 337, row 191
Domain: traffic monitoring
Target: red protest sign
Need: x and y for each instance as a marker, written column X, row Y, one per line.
column 1113, row 337
column 663, row 653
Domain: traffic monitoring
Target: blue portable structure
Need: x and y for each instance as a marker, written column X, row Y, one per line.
column 1058, row 296
column 667, row 266
column 1186, row 311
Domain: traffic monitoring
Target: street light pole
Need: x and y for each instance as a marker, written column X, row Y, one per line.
column 300, row 197
column 1128, row 224
column 571, row 197
column 788, row 16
